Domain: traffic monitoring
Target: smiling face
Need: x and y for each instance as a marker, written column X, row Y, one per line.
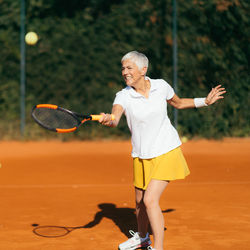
column 132, row 74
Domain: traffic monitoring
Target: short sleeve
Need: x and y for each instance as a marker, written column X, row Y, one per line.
column 120, row 99
column 169, row 91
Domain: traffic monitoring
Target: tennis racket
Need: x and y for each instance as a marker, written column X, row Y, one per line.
column 58, row 119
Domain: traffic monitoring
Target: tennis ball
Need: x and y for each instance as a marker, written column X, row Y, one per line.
column 184, row 139
column 0, row 165
column 31, row 38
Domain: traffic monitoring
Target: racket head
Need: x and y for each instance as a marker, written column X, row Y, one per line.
column 57, row 119
column 51, row 231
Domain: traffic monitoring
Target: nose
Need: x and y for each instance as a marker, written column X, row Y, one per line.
column 124, row 71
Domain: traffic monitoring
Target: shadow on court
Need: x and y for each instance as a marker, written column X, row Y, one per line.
column 124, row 218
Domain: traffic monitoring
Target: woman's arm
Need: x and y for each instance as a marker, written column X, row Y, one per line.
column 117, row 111
column 183, row 103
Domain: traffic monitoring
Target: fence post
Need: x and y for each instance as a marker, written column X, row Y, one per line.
column 22, row 68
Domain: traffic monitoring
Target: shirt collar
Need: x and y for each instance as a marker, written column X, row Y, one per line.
column 133, row 93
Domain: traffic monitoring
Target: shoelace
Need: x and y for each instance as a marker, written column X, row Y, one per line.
column 132, row 232
column 136, row 235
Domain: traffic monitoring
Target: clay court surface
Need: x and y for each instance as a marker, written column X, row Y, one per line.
column 89, row 185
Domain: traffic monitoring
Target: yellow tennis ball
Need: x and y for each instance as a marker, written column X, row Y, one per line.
column 31, row 38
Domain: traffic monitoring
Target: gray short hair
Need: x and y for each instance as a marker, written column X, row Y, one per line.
column 138, row 58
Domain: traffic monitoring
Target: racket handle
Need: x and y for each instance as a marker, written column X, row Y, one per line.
column 98, row 117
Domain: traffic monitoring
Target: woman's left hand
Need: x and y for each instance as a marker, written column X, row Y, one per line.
column 215, row 94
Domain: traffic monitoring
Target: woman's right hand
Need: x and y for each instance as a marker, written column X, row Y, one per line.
column 106, row 119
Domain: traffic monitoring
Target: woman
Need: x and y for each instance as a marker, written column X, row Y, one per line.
column 157, row 157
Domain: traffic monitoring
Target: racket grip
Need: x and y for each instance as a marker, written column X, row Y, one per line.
column 98, row 117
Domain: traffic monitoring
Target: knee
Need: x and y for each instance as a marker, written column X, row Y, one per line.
column 150, row 201
column 139, row 201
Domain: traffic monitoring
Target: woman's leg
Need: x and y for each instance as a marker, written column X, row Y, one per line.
column 151, row 200
column 141, row 213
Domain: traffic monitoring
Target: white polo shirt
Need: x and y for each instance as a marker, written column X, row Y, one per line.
column 151, row 130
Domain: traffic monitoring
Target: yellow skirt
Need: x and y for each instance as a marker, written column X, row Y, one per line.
column 169, row 166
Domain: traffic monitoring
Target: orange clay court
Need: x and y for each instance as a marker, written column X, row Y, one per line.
column 88, row 186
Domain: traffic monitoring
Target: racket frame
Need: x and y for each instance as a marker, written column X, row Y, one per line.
column 78, row 117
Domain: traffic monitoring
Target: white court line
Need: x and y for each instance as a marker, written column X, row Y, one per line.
column 116, row 185
column 62, row 185
column 215, row 183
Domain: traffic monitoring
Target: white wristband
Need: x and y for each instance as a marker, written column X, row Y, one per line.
column 200, row 102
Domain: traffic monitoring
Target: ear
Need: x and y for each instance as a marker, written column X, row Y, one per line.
column 144, row 71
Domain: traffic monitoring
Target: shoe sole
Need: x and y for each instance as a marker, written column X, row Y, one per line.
column 143, row 245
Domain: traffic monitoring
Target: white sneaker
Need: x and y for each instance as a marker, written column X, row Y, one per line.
column 135, row 242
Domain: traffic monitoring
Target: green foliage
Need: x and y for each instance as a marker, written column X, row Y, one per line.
column 76, row 62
